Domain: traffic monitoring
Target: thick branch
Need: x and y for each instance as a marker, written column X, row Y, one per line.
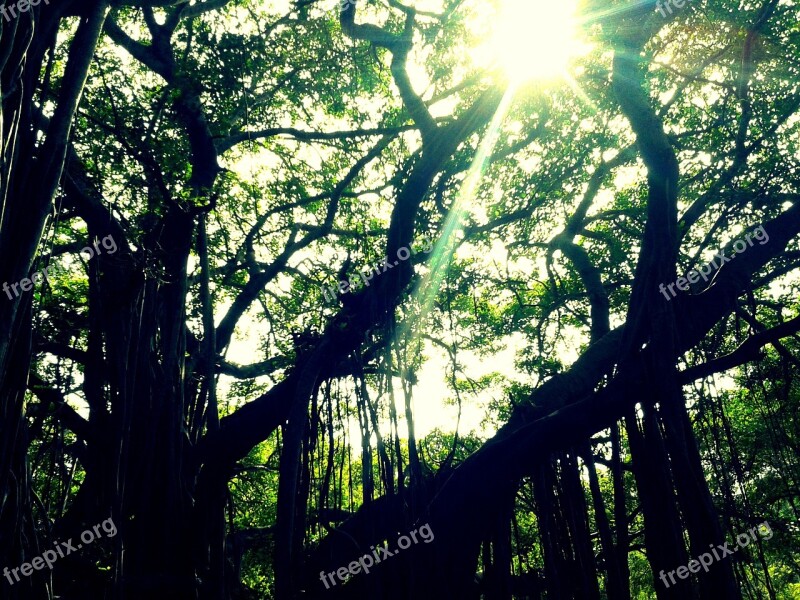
column 748, row 351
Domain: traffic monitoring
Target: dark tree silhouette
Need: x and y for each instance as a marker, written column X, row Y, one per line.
column 243, row 155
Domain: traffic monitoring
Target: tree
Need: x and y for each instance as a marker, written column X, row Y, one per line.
column 239, row 161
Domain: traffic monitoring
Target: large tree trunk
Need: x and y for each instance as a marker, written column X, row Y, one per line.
column 29, row 176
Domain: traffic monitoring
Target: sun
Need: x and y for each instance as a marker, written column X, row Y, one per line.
column 535, row 39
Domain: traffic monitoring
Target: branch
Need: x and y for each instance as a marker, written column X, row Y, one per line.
column 265, row 367
column 256, row 420
column 144, row 54
column 200, row 8
column 258, row 280
column 659, row 252
column 399, row 46
column 590, row 276
column 57, row 349
column 88, row 202
column 229, row 142
column 63, row 411
column 748, row 351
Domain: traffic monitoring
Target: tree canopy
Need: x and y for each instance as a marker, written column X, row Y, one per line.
column 249, row 247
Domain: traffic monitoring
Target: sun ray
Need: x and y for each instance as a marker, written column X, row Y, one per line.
column 444, row 248
column 532, row 40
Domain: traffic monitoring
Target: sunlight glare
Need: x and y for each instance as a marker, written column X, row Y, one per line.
column 535, row 39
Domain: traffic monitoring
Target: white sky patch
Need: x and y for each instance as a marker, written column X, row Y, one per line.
column 434, row 404
column 431, row 407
